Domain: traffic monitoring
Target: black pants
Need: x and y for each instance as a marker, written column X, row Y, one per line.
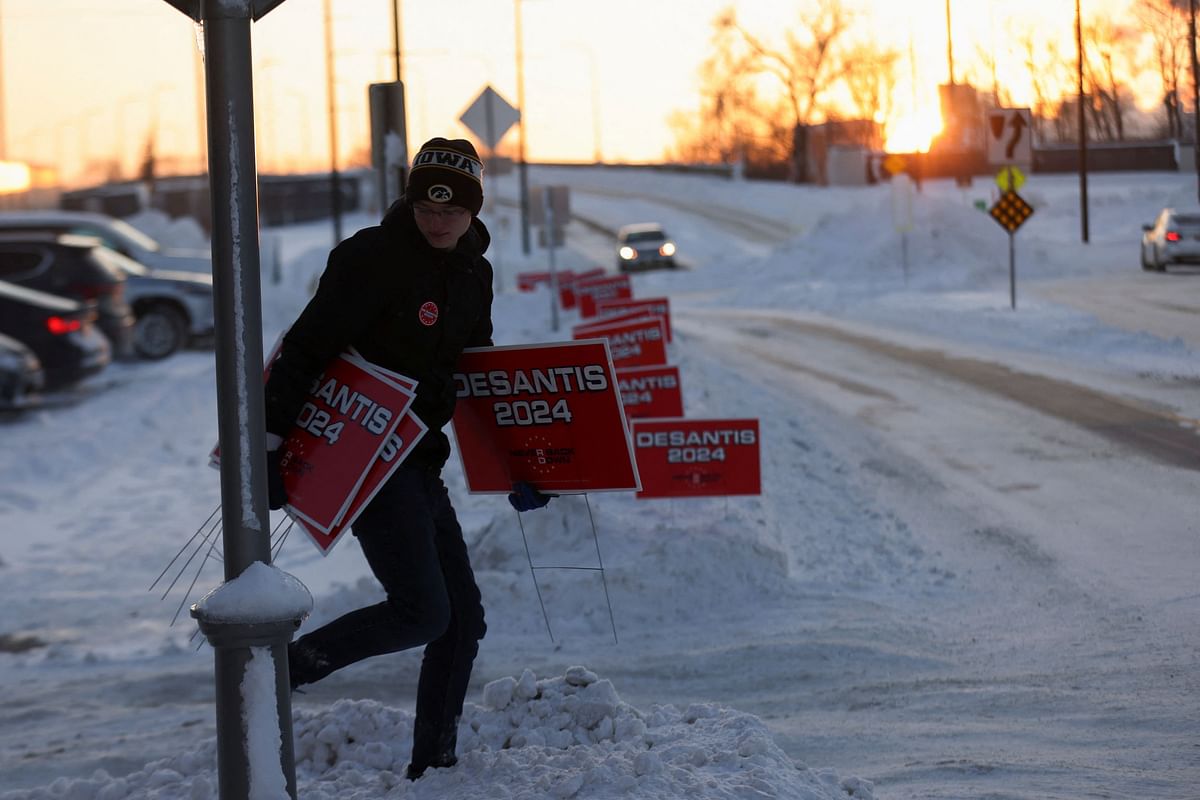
column 414, row 545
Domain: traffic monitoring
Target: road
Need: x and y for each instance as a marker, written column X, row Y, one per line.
column 1062, row 500
column 1066, row 506
column 1166, row 305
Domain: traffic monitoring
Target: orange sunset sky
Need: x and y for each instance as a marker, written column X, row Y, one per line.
column 84, row 82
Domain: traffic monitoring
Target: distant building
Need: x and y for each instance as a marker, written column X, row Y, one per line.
column 811, row 146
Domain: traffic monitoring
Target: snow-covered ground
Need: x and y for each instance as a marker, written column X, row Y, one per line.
column 936, row 595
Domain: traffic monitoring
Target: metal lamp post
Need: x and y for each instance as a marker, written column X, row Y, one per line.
column 240, row 413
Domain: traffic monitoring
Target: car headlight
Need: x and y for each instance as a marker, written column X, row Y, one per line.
column 627, row 253
column 668, row 249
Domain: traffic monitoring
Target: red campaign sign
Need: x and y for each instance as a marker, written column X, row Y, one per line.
column 529, row 281
column 697, row 457
column 650, row 391
column 398, row 446
column 365, row 380
column 342, row 428
column 548, row 414
column 605, row 322
column 652, row 306
column 640, row 342
column 566, row 286
column 591, row 291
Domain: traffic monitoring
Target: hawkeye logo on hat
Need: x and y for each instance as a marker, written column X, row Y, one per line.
column 428, row 314
column 448, row 159
column 440, row 193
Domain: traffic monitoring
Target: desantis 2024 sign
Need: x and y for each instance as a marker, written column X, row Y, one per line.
column 547, row 414
column 697, row 457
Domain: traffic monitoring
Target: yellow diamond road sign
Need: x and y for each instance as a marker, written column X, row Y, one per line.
column 1011, row 211
column 1010, row 178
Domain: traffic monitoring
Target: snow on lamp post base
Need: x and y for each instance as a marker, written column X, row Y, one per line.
column 249, row 622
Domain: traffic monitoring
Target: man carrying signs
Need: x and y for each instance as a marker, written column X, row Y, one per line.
column 409, row 295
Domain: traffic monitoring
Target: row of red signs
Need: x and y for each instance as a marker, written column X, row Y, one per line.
column 551, row 415
column 673, row 456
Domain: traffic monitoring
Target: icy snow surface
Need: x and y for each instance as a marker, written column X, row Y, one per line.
column 757, row 636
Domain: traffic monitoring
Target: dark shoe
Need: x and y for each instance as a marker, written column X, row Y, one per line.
column 304, row 665
column 414, row 771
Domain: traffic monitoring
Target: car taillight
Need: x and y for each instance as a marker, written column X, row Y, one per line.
column 60, row 326
column 1173, row 236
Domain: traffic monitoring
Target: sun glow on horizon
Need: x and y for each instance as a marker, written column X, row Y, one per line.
column 912, row 133
column 15, row 176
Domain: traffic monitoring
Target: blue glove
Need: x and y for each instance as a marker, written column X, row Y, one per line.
column 526, row 498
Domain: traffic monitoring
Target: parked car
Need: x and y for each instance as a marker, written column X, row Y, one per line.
column 116, row 234
column 1173, row 238
column 644, row 245
column 21, row 373
column 74, row 267
column 170, row 308
column 61, row 332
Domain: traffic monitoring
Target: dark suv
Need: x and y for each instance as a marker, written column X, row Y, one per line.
column 74, row 267
column 60, row 332
column 171, row 308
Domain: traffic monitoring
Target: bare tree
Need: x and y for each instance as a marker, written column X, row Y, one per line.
column 870, row 76
column 1167, row 26
column 722, row 130
column 1054, row 114
column 809, row 64
column 1109, row 48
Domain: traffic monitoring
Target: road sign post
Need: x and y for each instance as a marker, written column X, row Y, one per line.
column 389, row 141
column 1010, row 212
column 240, row 412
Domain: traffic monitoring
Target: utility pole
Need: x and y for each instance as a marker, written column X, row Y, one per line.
column 397, row 39
column 949, row 44
column 522, row 165
column 1195, row 90
column 335, row 180
column 1083, row 182
column 3, row 130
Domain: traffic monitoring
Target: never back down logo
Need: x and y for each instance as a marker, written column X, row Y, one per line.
column 428, row 314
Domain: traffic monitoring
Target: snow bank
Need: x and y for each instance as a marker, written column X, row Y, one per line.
column 568, row 736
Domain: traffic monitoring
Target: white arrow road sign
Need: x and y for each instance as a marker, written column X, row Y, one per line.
column 1010, row 136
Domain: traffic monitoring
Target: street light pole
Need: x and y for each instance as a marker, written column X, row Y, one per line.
column 1195, row 89
column 242, row 646
column 3, row 130
column 522, row 166
column 949, row 44
column 335, row 182
column 1083, row 182
column 397, row 39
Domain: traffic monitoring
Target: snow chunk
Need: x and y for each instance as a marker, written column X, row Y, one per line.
column 531, row 738
column 262, row 593
column 579, row 676
column 499, row 693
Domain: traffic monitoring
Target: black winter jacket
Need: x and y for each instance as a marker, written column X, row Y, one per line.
column 376, row 295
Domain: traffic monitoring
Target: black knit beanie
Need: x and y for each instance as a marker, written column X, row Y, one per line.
column 447, row 171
